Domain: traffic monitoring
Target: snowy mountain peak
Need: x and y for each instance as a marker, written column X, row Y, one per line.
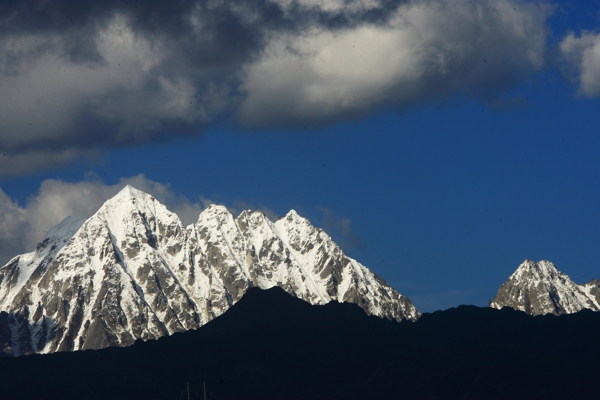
column 215, row 212
column 293, row 216
column 136, row 215
column 542, row 270
column 216, row 208
column 133, row 271
column 253, row 219
column 540, row 288
column 130, row 192
column 130, row 198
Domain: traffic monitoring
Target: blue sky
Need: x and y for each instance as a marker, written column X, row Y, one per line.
column 440, row 176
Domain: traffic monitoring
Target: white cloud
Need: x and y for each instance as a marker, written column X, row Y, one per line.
column 46, row 95
column 428, row 50
column 125, row 73
column 583, row 56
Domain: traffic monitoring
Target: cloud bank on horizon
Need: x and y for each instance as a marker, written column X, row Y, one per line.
column 79, row 77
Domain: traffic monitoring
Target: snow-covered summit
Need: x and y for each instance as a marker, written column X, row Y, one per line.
column 133, row 271
column 540, row 288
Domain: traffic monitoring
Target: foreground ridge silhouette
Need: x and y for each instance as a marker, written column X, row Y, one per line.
column 271, row 345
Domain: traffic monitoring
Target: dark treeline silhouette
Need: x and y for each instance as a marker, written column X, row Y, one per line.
column 271, row 345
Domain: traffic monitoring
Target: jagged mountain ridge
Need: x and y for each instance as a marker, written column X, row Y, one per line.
column 540, row 288
column 133, row 271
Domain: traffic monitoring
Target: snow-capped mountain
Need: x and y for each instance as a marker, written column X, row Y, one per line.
column 540, row 288
column 133, row 271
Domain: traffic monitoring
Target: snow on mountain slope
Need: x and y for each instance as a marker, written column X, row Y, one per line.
column 20, row 268
column 133, row 271
column 540, row 288
column 592, row 291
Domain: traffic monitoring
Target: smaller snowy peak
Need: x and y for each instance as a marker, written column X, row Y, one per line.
column 252, row 214
column 293, row 217
column 215, row 212
column 539, row 288
column 592, row 290
column 215, row 220
column 249, row 220
column 594, row 283
column 293, row 221
column 216, row 209
column 292, row 214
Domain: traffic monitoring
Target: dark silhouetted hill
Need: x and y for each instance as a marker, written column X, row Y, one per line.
column 271, row 345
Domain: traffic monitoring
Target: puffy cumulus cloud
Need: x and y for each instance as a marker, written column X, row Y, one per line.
column 83, row 76
column 78, row 77
column 582, row 54
column 115, row 86
column 425, row 50
column 22, row 227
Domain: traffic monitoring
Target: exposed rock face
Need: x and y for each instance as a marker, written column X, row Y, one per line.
column 539, row 288
column 133, row 271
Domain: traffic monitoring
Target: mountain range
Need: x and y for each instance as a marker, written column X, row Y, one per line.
column 324, row 326
column 134, row 271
